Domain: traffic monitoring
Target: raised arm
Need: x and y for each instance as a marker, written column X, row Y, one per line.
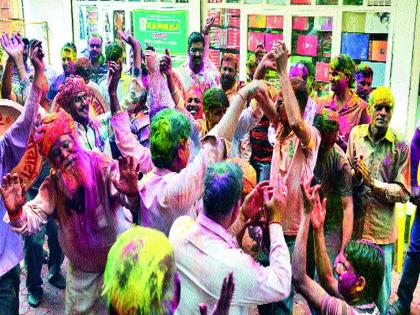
column 299, row 126
column 165, row 66
column 6, row 87
column 311, row 290
column 16, row 137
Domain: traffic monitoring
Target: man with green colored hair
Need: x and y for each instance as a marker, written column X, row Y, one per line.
column 380, row 159
column 139, row 273
column 351, row 109
column 174, row 185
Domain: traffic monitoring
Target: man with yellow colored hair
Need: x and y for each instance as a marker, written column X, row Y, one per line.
column 380, row 158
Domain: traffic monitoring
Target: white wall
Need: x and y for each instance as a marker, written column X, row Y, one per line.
column 57, row 13
column 403, row 23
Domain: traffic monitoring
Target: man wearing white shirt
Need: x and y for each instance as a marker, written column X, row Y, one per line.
column 205, row 251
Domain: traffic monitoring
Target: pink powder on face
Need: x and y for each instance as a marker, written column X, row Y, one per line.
column 346, row 283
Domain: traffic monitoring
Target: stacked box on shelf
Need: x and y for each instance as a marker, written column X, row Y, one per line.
column 234, row 17
column 274, row 22
column 233, row 38
column 216, row 15
column 214, row 56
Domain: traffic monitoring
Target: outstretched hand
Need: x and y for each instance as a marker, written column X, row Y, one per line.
column 127, row 183
column 309, row 192
column 129, row 39
column 226, row 293
column 13, row 45
column 13, row 192
column 37, row 56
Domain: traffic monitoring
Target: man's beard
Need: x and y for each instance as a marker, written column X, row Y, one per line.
column 72, row 178
column 226, row 81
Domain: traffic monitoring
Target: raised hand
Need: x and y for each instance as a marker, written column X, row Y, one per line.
column 209, row 23
column 309, row 193
column 127, row 183
column 37, row 55
column 165, row 63
column 281, row 55
column 13, row 192
column 13, row 45
column 113, row 76
column 275, row 204
column 226, row 293
column 319, row 212
column 129, row 39
column 268, row 61
column 254, row 200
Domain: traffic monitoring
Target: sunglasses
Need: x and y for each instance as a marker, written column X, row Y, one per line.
column 199, row 50
column 95, row 45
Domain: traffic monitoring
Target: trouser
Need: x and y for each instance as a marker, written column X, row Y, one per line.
column 34, row 255
column 286, row 306
column 383, row 299
column 262, row 169
column 410, row 275
column 83, row 292
column 9, row 291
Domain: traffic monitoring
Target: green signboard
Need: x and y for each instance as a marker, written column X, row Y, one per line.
column 162, row 29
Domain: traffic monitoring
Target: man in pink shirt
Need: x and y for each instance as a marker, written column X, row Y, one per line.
column 296, row 146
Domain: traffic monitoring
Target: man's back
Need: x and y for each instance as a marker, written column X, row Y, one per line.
column 205, row 253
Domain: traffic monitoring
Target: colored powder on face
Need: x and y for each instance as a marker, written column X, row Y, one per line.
column 381, row 95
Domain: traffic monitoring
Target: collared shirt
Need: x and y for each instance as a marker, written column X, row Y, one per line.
column 334, row 306
column 232, row 91
column 86, row 232
column 388, row 161
column 352, row 113
column 290, row 157
column 13, row 145
column 123, row 87
column 205, row 253
column 333, row 171
column 206, row 78
column 96, row 136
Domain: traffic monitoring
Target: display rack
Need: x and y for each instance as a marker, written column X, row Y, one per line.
column 315, row 30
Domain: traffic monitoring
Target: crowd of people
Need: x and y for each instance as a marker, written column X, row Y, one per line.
column 174, row 190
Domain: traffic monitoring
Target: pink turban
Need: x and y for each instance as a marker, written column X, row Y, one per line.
column 69, row 90
column 52, row 127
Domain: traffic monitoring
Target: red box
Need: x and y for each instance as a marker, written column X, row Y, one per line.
column 274, row 21
column 214, row 56
column 300, row 23
column 270, row 39
column 378, row 50
column 301, row 2
column 322, row 72
column 254, row 39
column 307, row 45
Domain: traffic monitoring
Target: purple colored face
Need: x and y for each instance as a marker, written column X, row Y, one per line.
column 95, row 47
column 347, row 279
column 195, row 55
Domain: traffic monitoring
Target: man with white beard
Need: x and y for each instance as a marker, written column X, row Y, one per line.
column 80, row 193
